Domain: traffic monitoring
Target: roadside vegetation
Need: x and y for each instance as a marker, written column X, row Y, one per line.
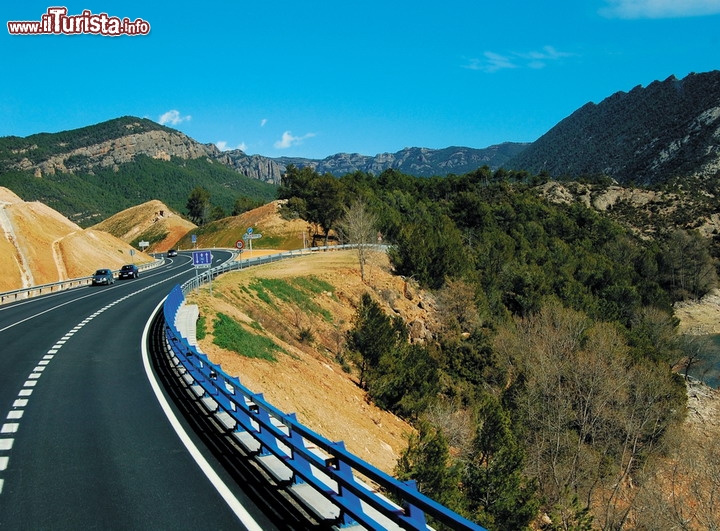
column 545, row 395
column 231, row 335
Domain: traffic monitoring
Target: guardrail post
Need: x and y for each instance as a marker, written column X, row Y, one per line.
column 412, row 513
column 300, row 464
column 350, row 502
column 267, row 438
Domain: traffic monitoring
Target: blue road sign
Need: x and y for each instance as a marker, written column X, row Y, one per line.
column 202, row 258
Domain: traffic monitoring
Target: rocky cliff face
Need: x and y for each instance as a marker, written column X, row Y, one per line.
column 645, row 212
column 254, row 166
column 158, row 144
column 421, row 162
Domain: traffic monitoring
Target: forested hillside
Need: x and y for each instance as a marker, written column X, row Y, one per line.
column 545, row 388
column 91, row 173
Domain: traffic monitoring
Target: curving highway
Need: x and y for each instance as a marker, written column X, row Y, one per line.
column 85, row 439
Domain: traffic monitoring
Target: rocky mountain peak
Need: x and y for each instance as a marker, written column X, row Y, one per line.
column 158, row 144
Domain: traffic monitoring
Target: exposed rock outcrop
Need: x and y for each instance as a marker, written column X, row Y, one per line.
column 159, row 144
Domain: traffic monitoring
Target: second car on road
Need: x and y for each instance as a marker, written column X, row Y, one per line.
column 129, row 271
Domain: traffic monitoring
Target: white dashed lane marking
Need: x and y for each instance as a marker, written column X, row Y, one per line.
column 8, row 429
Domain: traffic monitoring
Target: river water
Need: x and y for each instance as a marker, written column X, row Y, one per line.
column 709, row 369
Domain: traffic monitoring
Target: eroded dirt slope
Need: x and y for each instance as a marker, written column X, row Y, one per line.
column 39, row 246
column 308, row 378
column 277, row 233
column 152, row 222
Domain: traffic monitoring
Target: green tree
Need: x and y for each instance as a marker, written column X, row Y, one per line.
column 295, row 182
column 430, row 249
column 499, row 494
column 324, row 205
column 316, row 198
column 243, row 204
column 688, row 267
column 405, row 381
column 426, row 460
column 216, row 213
column 198, row 205
column 372, row 336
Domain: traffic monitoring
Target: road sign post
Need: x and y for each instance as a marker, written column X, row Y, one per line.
column 249, row 236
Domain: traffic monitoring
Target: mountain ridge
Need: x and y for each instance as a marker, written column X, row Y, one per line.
column 416, row 161
column 649, row 136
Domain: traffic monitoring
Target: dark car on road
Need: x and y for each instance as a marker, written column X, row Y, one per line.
column 103, row 277
column 129, row 271
column 172, row 252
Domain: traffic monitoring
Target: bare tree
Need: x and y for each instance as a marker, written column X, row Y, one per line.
column 683, row 494
column 456, row 424
column 593, row 415
column 359, row 227
column 457, row 309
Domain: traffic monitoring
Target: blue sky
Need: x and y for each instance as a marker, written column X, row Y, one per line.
column 313, row 78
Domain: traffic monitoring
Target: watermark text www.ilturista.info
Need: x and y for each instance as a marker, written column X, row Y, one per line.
column 57, row 22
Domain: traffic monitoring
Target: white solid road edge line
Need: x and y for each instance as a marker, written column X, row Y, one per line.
column 217, row 482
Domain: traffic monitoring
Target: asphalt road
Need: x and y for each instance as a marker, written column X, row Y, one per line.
column 84, row 440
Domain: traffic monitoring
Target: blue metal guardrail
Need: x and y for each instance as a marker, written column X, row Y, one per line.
column 330, row 481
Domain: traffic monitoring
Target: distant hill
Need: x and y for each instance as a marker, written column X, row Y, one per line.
column 647, row 136
column 91, row 173
column 420, row 162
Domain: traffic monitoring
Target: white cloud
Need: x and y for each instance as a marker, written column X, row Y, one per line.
column 493, row 62
column 540, row 59
column 288, row 140
column 263, row 122
column 222, row 145
column 634, row 9
column 173, row 117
